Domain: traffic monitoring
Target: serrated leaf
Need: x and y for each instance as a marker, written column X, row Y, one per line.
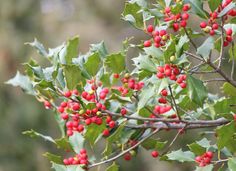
column 154, row 52
column 100, row 48
column 232, row 164
column 58, row 167
column 113, row 167
column 93, row 132
column 93, row 63
column 181, row 156
column 53, row 158
column 63, row 143
column 205, row 49
column 226, row 9
column 199, row 147
column 72, row 75
column 39, row 46
column 133, row 15
column 196, row 90
column 144, row 62
column 153, row 144
column 116, row 62
column 34, row 134
column 197, row 8
column 229, row 89
column 214, row 4
column 69, row 51
column 206, row 168
column 23, row 82
column 145, row 96
column 226, row 136
column 77, row 142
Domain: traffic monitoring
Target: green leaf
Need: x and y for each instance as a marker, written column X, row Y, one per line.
column 58, row 167
column 53, row 158
column 222, row 106
column 116, row 62
column 196, row 90
column 145, row 96
column 199, row 147
column 113, row 167
column 151, row 143
column 63, row 143
column 232, row 164
column 40, row 48
column 226, row 136
column 34, row 134
column 132, row 14
column 226, row 9
column 100, row 48
column 93, row 132
column 144, row 62
column 214, row 4
column 229, row 89
column 197, row 8
column 206, row 168
column 181, row 156
column 205, row 49
column 93, row 63
column 69, row 51
column 153, row 52
column 72, row 75
column 23, row 82
column 77, row 142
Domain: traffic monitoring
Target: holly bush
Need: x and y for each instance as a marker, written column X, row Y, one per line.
column 96, row 98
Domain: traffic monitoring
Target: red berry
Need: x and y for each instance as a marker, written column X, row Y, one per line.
column 150, row 28
column 63, row 104
column 106, row 132
column 226, row 43
column 214, row 15
column 215, row 26
column 162, row 33
column 80, row 128
column 209, row 154
column 176, row 26
column 162, row 100
column 69, row 132
column 167, row 10
column 47, row 104
column 88, row 121
column 147, row 43
column 164, row 92
column 67, row 94
column 161, row 69
column 183, row 85
column 185, row 16
column 64, row 116
column 203, row 24
column 229, row 32
column 168, row 72
column 234, row 117
column 84, row 94
column 186, row 7
column 60, row 109
column 155, row 154
column 76, row 106
column 123, row 111
column 212, row 32
column 116, row 75
column 112, row 124
column 157, row 39
column 198, row 159
column 127, row 156
column 102, row 95
column 229, row 38
column 183, row 23
column 160, row 75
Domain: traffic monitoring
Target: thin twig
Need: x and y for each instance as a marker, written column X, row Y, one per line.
column 125, row 151
column 194, row 56
column 173, row 99
column 194, row 45
column 214, row 79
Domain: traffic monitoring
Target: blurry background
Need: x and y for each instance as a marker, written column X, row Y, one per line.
column 52, row 22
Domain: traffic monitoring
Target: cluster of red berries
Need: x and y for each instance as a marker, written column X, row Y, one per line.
column 204, row 159
column 81, row 158
column 180, row 19
column 129, row 83
column 212, row 26
column 159, row 38
column 173, row 73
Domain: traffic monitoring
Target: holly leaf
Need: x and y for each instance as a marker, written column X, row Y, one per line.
column 226, row 9
column 206, row 168
column 144, row 62
column 181, row 156
column 116, row 62
column 229, row 89
column 39, row 46
column 232, row 164
column 145, row 96
column 34, row 134
column 77, row 142
column 226, row 136
column 23, row 82
column 205, row 49
column 196, row 90
column 93, row 132
column 197, row 8
column 72, row 75
column 93, row 63
column 214, row 4
column 63, row 143
column 53, row 158
column 133, row 15
column 113, row 167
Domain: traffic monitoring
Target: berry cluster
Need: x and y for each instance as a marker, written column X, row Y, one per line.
column 173, row 73
column 81, row 158
column 159, row 38
column 204, row 159
column 212, row 25
column 180, row 19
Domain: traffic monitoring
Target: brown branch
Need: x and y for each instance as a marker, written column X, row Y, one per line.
column 173, row 99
